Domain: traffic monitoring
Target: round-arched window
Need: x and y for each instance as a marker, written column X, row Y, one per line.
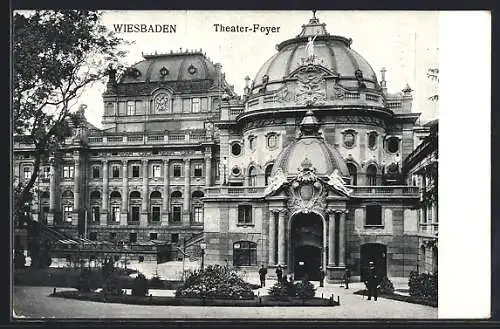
column 135, row 195
column 269, row 169
column 115, row 194
column 198, row 194
column 252, row 176
column 251, row 142
column 371, row 174
column 393, row 144
column 95, row 195
column 176, row 194
column 155, row 195
column 372, row 140
column 236, row 149
column 353, row 172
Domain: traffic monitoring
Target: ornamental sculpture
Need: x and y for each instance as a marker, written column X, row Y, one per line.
column 336, row 181
column 311, row 88
column 276, row 181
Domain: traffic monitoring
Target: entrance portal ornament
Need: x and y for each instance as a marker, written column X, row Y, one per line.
column 306, row 193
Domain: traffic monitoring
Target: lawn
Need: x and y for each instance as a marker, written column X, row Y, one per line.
column 402, row 298
column 166, row 300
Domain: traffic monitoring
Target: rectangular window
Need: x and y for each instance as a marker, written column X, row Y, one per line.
column 198, row 215
column 135, row 214
column 130, row 108
column 244, row 253
column 46, row 172
column 112, row 236
column 27, row 172
column 135, row 171
column 177, row 171
column 217, row 169
column 374, row 215
column 68, row 210
column 244, row 214
column 95, row 214
column 176, row 213
column 175, row 237
column 95, row 172
column 93, row 236
column 45, row 213
column 198, row 170
column 156, row 214
column 195, row 105
column 153, row 236
column 132, row 237
column 156, row 171
column 116, row 171
column 68, row 171
column 204, row 104
column 115, row 213
column 186, row 105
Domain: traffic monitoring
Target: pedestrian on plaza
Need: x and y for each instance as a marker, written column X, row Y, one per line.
column 262, row 275
column 279, row 274
column 321, row 277
column 372, row 281
column 347, row 276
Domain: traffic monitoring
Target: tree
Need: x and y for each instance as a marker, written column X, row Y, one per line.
column 56, row 56
column 433, row 74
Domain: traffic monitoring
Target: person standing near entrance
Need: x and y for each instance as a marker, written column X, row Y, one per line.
column 279, row 274
column 321, row 277
column 372, row 281
column 347, row 275
column 262, row 275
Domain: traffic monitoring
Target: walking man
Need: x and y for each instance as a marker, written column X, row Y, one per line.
column 262, row 275
column 347, row 275
column 279, row 274
column 321, row 277
column 372, row 281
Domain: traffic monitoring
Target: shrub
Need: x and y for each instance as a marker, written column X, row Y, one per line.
column 386, row 286
column 215, row 282
column 156, row 283
column 85, row 281
column 112, row 285
column 279, row 292
column 423, row 285
column 140, row 286
column 19, row 259
column 305, row 290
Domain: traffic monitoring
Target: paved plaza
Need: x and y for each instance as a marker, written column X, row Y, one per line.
column 34, row 302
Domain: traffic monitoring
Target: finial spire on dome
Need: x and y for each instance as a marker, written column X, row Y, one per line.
column 309, row 125
column 314, row 27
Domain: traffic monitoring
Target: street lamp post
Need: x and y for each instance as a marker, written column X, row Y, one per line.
column 203, row 246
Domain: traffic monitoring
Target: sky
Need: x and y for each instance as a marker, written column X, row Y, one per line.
column 404, row 42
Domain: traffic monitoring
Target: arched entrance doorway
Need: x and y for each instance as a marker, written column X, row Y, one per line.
column 376, row 253
column 306, row 245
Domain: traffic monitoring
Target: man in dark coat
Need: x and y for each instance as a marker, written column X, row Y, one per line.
column 262, row 275
column 321, row 277
column 279, row 274
column 372, row 281
column 347, row 275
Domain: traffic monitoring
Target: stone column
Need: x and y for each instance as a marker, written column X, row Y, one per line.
column 342, row 239
column 166, row 178
column 187, row 192
column 105, row 196
column 208, row 170
column 76, row 190
column 324, row 255
column 145, row 194
column 281, row 238
column 52, row 196
column 272, row 239
column 125, row 191
column 331, row 239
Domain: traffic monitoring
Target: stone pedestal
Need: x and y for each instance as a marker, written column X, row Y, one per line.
column 103, row 218
column 50, row 219
column 144, row 219
column 75, row 216
column 164, row 219
column 123, row 218
column 334, row 273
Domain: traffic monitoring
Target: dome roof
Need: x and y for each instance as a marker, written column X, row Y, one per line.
column 333, row 51
column 324, row 157
column 171, row 67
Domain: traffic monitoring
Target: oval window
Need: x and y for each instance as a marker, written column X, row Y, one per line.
column 236, row 149
column 393, row 144
column 236, row 171
column 349, row 140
